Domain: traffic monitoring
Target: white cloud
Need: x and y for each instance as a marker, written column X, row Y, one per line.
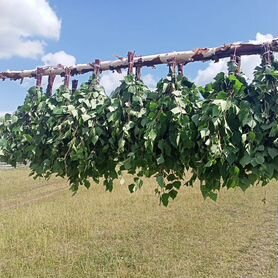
column 206, row 75
column 60, row 57
column 149, row 81
column 24, row 24
column 111, row 80
column 248, row 64
column 261, row 38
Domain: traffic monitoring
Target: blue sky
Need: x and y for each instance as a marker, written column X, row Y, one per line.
column 85, row 30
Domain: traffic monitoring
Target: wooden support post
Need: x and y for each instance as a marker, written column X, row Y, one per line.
column 97, row 70
column 138, row 70
column 138, row 73
column 130, row 57
column 51, row 79
column 74, row 85
column 172, row 67
column 39, row 74
column 267, row 55
column 67, row 77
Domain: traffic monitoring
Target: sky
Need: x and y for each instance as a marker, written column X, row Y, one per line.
column 50, row 32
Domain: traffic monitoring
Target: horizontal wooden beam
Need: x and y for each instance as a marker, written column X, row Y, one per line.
column 182, row 57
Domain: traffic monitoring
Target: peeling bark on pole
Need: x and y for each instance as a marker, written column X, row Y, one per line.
column 183, row 57
column 51, row 79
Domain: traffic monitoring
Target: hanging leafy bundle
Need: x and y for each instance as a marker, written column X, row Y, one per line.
column 19, row 131
column 77, row 135
column 64, row 134
column 224, row 134
column 234, row 143
column 127, row 117
column 170, row 134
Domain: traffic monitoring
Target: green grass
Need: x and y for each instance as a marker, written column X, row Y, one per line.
column 45, row 232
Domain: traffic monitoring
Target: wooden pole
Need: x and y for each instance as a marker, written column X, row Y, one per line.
column 182, row 57
column 51, row 79
column 130, row 60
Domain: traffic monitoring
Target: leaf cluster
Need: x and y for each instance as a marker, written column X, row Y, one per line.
column 224, row 134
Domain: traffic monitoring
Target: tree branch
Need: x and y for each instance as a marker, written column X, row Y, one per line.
column 182, row 57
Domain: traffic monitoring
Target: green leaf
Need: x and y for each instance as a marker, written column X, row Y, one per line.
column 212, row 196
column 178, row 139
column 138, row 182
column 160, row 160
column 195, row 119
column 272, row 152
column 245, row 160
column 87, row 184
column 164, row 198
column 176, row 184
column 160, row 181
column 127, row 164
column 85, row 117
column 152, row 135
column 14, row 119
column 58, row 111
column 108, row 185
column 259, row 159
column 153, row 106
column 176, row 110
column 223, row 104
column 208, row 193
column 132, row 187
column 236, row 171
column 67, row 96
column 252, row 136
column 171, row 177
column 95, row 139
column 204, row 132
column 173, row 193
column 73, row 110
column 177, row 93
column 251, row 123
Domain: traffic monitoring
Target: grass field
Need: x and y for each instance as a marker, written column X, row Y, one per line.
column 45, row 232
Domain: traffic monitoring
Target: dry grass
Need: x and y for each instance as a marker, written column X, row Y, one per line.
column 45, row 232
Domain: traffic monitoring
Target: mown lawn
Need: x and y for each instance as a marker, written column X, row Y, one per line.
column 45, row 232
